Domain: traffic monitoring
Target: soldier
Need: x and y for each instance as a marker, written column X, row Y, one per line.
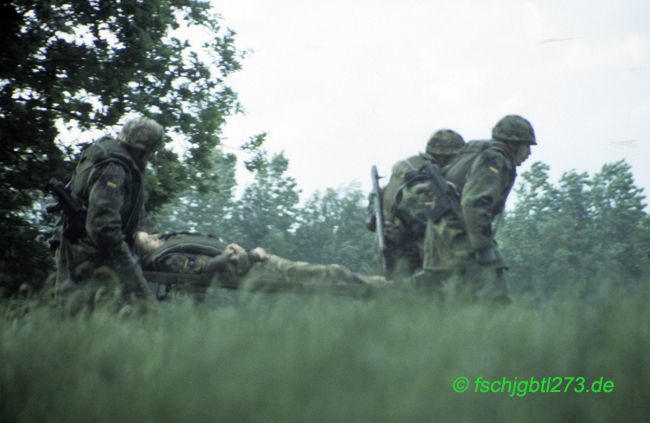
column 232, row 266
column 109, row 182
column 462, row 253
column 406, row 200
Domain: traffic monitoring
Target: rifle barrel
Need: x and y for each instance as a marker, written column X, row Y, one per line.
column 379, row 217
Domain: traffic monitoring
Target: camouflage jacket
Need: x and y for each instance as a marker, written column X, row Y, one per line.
column 408, row 197
column 108, row 181
column 406, row 203
column 484, row 173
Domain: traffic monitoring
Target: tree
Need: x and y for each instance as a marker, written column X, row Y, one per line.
column 86, row 64
column 332, row 230
column 210, row 211
column 619, row 217
column 585, row 229
column 266, row 214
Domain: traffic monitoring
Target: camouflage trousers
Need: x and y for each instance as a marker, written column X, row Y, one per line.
column 450, row 266
column 277, row 274
column 401, row 261
column 280, row 271
column 403, row 254
column 84, row 281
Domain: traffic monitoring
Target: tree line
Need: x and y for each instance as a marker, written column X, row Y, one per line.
column 328, row 228
column 580, row 230
column 86, row 65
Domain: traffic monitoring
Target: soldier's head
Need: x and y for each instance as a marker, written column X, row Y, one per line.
column 146, row 244
column 518, row 134
column 444, row 145
column 142, row 137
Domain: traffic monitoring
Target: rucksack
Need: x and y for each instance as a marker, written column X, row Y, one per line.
column 186, row 243
column 93, row 159
column 413, row 198
column 457, row 171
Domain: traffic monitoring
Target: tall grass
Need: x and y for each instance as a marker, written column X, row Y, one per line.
column 298, row 358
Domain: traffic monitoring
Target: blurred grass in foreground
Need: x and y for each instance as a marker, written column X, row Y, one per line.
column 300, row 358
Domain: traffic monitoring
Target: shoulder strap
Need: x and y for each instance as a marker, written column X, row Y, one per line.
column 107, row 151
column 417, row 173
column 456, row 172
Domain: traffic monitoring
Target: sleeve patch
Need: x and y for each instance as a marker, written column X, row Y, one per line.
column 494, row 169
column 111, row 184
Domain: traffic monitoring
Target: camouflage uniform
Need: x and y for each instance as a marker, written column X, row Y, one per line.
column 406, row 200
column 197, row 254
column 108, row 180
column 464, row 255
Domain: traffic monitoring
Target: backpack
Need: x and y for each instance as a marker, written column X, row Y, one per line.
column 93, row 159
column 186, row 244
column 457, row 171
column 413, row 198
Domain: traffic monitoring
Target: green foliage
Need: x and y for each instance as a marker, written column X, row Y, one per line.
column 265, row 215
column 328, row 229
column 21, row 243
column 87, row 64
column 254, row 146
column 90, row 63
column 267, row 211
column 332, row 230
column 206, row 212
column 324, row 359
column 583, row 228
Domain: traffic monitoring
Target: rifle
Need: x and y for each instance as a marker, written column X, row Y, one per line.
column 379, row 216
column 73, row 209
column 447, row 198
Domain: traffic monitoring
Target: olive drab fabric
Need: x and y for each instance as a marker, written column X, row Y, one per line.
column 109, row 158
column 407, row 200
column 405, row 203
column 193, row 254
column 484, row 173
column 109, row 183
column 465, row 253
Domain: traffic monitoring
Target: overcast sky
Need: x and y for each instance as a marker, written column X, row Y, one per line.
column 340, row 85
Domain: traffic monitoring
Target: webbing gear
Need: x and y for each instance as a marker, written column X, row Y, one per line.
column 95, row 158
column 447, row 197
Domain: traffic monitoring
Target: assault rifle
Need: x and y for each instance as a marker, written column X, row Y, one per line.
column 379, row 217
column 447, row 198
column 74, row 212
column 448, row 201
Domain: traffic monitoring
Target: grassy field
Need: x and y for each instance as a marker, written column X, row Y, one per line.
column 308, row 358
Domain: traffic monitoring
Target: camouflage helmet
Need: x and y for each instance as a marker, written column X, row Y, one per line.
column 445, row 141
column 142, row 134
column 514, row 129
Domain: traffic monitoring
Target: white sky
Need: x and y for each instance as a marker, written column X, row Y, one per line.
column 340, row 85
